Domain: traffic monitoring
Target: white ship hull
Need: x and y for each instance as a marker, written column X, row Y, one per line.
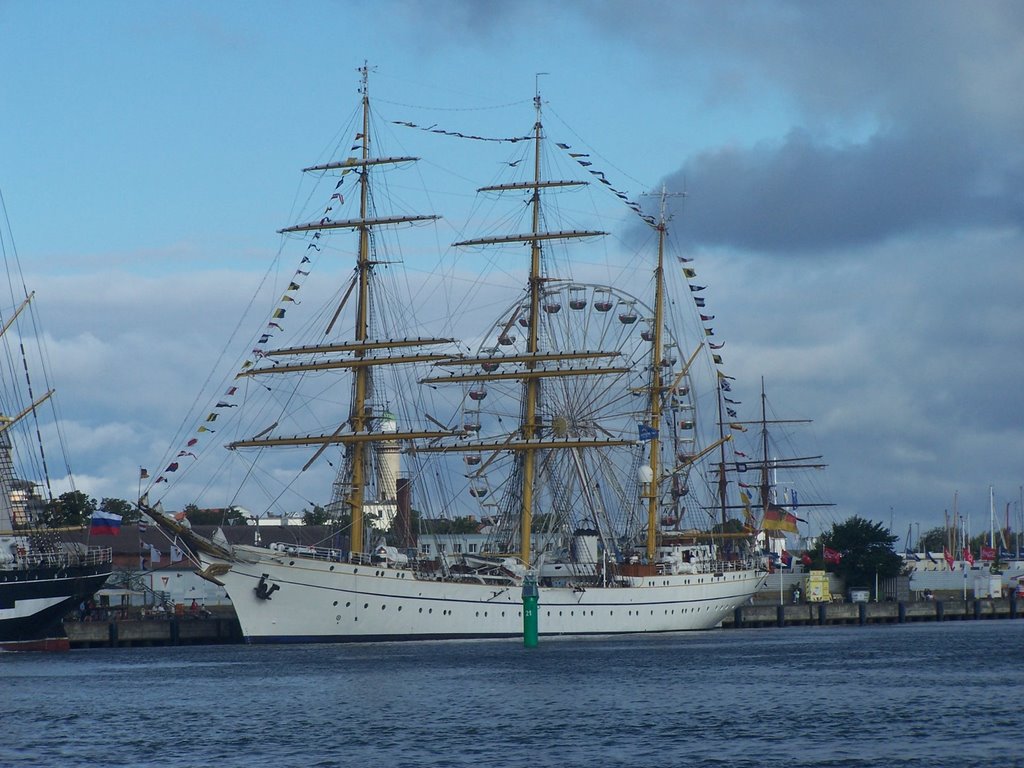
column 317, row 600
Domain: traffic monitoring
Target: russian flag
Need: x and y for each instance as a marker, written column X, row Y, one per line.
column 105, row 524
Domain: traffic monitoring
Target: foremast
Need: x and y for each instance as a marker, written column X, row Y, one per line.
column 360, row 433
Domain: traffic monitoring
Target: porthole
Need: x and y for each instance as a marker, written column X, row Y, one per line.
column 335, row 602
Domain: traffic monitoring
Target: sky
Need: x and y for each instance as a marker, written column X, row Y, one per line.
column 853, row 176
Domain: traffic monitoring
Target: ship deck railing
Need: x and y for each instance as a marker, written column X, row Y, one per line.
column 714, row 567
column 57, row 559
column 430, row 568
column 335, row 555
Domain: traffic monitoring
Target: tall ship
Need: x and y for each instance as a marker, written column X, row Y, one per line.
column 569, row 427
column 43, row 576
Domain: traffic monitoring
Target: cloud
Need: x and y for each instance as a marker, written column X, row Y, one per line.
column 803, row 196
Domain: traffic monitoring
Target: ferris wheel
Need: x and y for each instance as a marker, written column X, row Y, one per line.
column 595, row 364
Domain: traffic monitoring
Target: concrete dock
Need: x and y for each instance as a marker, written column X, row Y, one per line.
column 826, row 614
column 174, row 630
column 224, row 628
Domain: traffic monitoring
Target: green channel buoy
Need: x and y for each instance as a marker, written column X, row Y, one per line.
column 530, row 596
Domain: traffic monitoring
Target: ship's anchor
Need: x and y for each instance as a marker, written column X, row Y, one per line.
column 263, row 592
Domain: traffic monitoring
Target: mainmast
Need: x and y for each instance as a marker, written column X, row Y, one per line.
column 533, row 365
column 531, row 385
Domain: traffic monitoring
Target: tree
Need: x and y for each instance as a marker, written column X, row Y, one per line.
column 866, row 549
column 73, row 508
column 229, row 516
column 129, row 512
column 934, row 540
column 317, row 516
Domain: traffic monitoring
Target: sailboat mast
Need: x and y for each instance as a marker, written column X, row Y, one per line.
column 991, row 517
column 654, row 408
column 722, row 480
column 532, row 385
column 765, row 481
column 361, row 379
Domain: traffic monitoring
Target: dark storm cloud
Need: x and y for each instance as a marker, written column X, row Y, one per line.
column 803, row 195
column 923, row 93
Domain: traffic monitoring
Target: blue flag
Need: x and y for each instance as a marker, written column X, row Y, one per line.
column 646, row 432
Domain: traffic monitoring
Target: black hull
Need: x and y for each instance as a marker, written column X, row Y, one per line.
column 33, row 602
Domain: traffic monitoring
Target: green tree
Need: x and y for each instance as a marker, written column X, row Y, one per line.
column 866, row 549
column 73, row 508
column 934, row 540
column 731, row 526
column 129, row 512
column 229, row 516
column 317, row 516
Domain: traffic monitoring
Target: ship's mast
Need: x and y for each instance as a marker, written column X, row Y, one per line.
column 536, row 365
column 654, row 407
column 723, row 481
column 766, row 482
column 532, row 385
column 362, row 430
column 361, row 379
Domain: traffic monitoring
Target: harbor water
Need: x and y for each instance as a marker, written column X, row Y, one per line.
column 911, row 695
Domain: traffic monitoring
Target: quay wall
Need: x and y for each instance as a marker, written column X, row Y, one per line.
column 827, row 614
column 224, row 629
column 127, row 633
